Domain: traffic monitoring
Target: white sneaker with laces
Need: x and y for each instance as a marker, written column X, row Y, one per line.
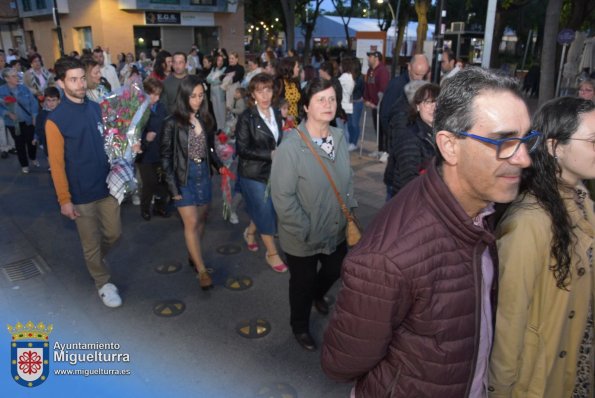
column 384, row 157
column 233, row 218
column 35, row 163
column 109, row 295
column 352, row 147
column 25, row 170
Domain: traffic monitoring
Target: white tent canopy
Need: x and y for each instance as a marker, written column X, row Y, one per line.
column 331, row 28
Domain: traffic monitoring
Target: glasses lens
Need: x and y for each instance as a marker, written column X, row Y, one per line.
column 509, row 148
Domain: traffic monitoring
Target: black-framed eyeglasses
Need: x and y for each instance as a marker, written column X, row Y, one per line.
column 508, row 147
column 591, row 140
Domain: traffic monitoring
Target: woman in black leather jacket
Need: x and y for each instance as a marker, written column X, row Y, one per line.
column 258, row 133
column 187, row 152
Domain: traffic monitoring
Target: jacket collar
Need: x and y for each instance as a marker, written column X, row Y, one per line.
column 255, row 114
column 448, row 209
column 337, row 137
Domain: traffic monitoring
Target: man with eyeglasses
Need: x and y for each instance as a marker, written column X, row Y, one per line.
column 414, row 317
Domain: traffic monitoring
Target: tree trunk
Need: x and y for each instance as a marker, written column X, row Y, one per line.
column 347, row 37
column 547, row 82
column 421, row 8
column 288, row 6
column 309, row 30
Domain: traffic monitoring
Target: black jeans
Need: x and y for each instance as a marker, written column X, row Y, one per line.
column 24, row 143
column 151, row 186
column 307, row 283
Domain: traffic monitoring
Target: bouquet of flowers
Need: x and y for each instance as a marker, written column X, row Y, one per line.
column 10, row 103
column 125, row 113
column 225, row 152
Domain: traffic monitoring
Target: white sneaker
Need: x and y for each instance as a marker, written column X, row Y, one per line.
column 25, row 170
column 384, row 157
column 233, row 218
column 35, row 163
column 352, row 147
column 109, row 295
column 135, row 200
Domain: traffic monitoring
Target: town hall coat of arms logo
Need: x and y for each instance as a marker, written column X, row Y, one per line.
column 29, row 353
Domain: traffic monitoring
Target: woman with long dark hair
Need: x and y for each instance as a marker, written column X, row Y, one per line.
column 543, row 341
column 214, row 79
column 287, row 84
column 162, row 65
column 187, row 154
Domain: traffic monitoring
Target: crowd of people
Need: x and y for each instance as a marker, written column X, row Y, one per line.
column 475, row 279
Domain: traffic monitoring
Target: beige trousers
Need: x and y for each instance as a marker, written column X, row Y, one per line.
column 99, row 228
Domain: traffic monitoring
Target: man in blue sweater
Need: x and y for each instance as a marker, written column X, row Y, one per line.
column 79, row 167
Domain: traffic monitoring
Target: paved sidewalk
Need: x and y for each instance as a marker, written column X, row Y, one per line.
column 196, row 354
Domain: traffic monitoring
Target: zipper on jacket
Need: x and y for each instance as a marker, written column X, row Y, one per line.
column 478, row 304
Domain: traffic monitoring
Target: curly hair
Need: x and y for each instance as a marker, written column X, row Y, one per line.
column 557, row 120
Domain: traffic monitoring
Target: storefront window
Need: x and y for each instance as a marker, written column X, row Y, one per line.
column 26, row 5
column 203, row 2
column 40, row 4
column 85, row 37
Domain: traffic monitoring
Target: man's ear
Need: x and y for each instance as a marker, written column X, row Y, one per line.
column 60, row 84
column 448, row 145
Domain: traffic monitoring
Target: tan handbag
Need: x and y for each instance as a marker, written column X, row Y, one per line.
column 352, row 232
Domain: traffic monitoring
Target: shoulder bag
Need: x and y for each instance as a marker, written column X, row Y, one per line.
column 352, row 232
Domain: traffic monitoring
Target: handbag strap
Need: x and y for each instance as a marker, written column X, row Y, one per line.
column 326, row 172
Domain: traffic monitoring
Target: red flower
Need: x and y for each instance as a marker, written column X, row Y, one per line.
column 222, row 137
column 10, row 99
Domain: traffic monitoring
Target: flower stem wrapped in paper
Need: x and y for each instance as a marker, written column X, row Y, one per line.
column 225, row 152
column 125, row 113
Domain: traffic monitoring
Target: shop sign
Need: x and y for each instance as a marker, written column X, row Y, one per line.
column 162, row 18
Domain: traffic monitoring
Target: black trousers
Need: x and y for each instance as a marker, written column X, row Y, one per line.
column 24, row 143
column 307, row 282
column 151, row 186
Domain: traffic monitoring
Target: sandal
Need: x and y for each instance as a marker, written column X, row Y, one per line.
column 253, row 247
column 280, row 267
column 204, row 279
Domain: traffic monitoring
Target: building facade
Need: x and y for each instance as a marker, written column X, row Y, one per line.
column 133, row 25
column 11, row 32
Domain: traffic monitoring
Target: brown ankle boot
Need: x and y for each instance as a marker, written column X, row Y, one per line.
column 205, row 280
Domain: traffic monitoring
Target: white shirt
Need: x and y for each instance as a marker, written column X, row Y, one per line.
column 271, row 123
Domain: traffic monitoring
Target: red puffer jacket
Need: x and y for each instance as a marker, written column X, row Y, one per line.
column 406, row 322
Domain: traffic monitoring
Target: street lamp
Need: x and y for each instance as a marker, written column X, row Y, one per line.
column 395, row 50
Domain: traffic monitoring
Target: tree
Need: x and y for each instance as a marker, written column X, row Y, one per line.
column 289, row 17
column 308, row 26
column 346, row 12
column 578, row 14
column 421, row 8
column 548, row 52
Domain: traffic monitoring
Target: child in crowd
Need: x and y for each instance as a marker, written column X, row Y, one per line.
column 51, row 99
column 149, row 161
column 288, row 121
column 239, row 106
